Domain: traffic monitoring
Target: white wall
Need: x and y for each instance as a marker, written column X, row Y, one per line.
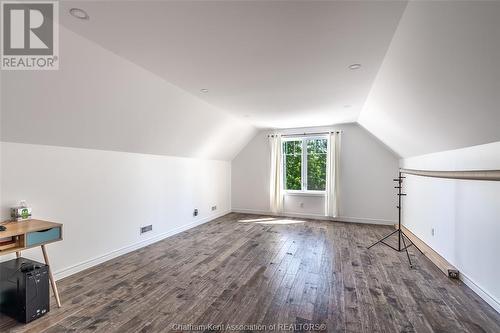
column 103, row 197
column 366, row 189
column 465, row 214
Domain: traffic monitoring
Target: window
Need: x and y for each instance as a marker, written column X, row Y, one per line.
column 304, row 163
column 292, row 164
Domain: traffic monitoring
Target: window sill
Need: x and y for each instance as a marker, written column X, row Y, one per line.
column 306, row 193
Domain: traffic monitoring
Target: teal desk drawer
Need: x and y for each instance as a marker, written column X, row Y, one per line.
column 44, row 236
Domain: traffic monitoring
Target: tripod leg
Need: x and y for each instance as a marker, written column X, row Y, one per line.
column 379, row 241
column 406, row 249
column 411, row 243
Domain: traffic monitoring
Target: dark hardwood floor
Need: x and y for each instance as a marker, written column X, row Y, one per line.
column 248, row 269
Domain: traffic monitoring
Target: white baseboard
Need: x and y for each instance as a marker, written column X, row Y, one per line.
column 492, row 301
column 62, row 273
column 264, row 212
column 316, row 216
column 365, row 220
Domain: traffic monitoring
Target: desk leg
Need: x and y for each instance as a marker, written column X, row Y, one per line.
column 18, row 254
column 52, row 281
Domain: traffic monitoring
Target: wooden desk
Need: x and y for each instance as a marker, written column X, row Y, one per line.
column 29, row 234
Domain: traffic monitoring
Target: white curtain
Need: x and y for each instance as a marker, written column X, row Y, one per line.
column 276, row 182
column 333, row 175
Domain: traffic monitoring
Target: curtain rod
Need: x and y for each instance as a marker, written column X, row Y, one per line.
column 307, row 134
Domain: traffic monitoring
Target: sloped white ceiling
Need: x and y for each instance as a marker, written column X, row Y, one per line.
column 439, row 85
column 130, row 76
column 272, row 63
column 99, row 100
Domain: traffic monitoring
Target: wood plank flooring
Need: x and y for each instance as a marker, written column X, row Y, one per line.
column 255, row 270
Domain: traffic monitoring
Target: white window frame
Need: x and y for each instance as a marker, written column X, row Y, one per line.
column 304, row 190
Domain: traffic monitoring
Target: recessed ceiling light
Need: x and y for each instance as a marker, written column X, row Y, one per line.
column 204, row 90
column 79, row 13
column 347, row 106
column 354, row 66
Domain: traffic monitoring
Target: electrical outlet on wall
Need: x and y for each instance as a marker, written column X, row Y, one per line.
column 146, row 228
column 214, row 207
column 433, row 232
column 195, row 212
column 301, row 205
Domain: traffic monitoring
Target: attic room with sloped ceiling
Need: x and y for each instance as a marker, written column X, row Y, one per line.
column 248, row 166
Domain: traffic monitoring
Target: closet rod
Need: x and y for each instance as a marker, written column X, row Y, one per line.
column 466, row 175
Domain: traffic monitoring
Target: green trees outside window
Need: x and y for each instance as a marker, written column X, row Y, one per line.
column 305, row 158
column 292, row 159
column 316, row 164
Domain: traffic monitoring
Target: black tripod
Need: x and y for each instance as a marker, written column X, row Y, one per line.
column 398, row 231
